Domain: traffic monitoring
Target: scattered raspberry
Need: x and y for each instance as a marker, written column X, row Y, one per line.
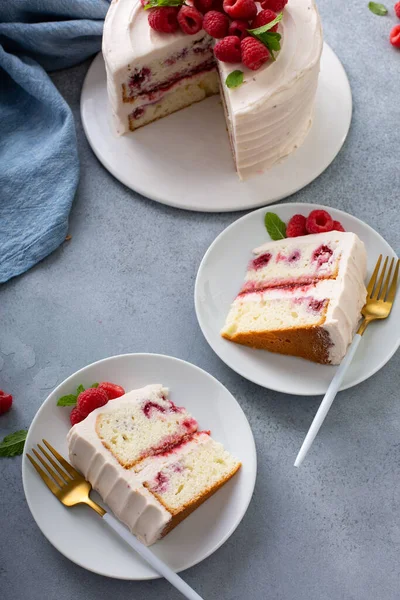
column 164, row 19
column 296, row 226
column 254, row 53
column 239, row 28
column 190, row 19
column 395, row 36
column 111, row 389
column 397, row 9
column 91, row 399
column 216, row 24
column 337, row 226
column 228, row 49
column 240, row 9
column 275, row 5
column 203, row 5
column 76, row 416
column 264, row 17
column 319, row 221
column 5, row 402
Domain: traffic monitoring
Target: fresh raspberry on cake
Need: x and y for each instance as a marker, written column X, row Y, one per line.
column 319, row 221
column 5, row 402
column 337, row 226
column 395, row 36
column 263, row 18
column 254, row 53
column 216, row 24
column 275, row 5
column 164, row 19
column 203, row 5
column 75, row 416
column 296, row 226
column 90, row 400
column 111, row 389
column 397, row 9
column 239, row 28
column 228, row 49
column 240, row 9
column 190, row 19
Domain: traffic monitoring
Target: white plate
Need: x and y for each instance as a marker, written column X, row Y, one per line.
column 79, row 533
column 185, row 159
column 221, row 275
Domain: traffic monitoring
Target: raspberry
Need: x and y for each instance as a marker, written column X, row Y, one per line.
column 91, row 399
column 190, row 19
column 397, row 9
column 239, row 28
column 337, row 226
column 254, row 53
column 275, row 5
column 395, row 36
column 264, row 17
column 216, row 24
column 164, row 19
column 240, row 9
column 218, row 5
column 296, row 226
column 203, row 5
column 144, row 2
column 111, row 389
column 76, row 416
column 319, row 221
column 228, row 49
column 5, row 402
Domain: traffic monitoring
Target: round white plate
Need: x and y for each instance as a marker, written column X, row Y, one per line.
column 221, row 275
column 185, row 159
column 79, row 533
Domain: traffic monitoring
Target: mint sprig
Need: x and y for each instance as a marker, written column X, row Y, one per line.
column 157, row 3
column 275, row 226
column 70, row 399
column 234, row 79
column 13, row 444
column 270, row 39
column 268, row 26
column 377, row 9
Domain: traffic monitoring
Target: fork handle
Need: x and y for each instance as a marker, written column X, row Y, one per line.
column 327, row 400
column 151, row 558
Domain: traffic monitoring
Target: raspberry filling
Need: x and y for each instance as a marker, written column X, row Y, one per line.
column 322, row 254
column 150, row 407
column 261, row 261
column 160, row 483
column 302, row 284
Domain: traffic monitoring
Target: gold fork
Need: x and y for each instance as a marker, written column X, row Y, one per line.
column 379, row 302
column 70, row 487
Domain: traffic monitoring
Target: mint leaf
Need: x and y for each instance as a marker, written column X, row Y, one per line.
column 79, row 389
column 155, row 3
column 275, row 226
column 377, row 9
column 271, row 40
column 68, row 400
column 13, row 444
column 268, row 26
column 94, row 385
column 234, row 79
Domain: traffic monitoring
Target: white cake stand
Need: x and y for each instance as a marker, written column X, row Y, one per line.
column 185, row 161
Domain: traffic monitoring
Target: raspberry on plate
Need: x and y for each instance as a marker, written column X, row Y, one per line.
column 264, row 17
column 240, row 9
column 216, row 24
column 397, row 9
column 254, row 53
column 296, row 226
column 337, row 226
column 228, row 49
column 190, row 19
column 275, row 5
column 319, row 221
column 164, row 19
column 203, row 5
column 5, row 402
column 239, row 28
column 111, row 389
column 395, row 36
column 90, row 400
column 75, row 416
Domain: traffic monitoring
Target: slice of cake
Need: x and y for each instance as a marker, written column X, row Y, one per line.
column 152, row 74
column 302, row 296
column 148, row 462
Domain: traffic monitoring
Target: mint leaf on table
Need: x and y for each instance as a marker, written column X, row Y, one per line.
column 377, row 9
column 68, row 400
column 156, row 3
column 275, row 226
column 234, row 79
column 13, row 444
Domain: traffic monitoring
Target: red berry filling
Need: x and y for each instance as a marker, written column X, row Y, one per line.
column 322, row 254
column 261, row 261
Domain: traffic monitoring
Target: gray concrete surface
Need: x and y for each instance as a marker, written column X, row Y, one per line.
column 124, row 283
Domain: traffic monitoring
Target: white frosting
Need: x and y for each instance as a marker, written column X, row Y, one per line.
column 268, row 116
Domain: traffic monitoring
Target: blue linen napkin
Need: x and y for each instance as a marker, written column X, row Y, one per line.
column 39, row 166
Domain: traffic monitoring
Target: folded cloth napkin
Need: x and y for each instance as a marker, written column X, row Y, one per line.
column 39, row 166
